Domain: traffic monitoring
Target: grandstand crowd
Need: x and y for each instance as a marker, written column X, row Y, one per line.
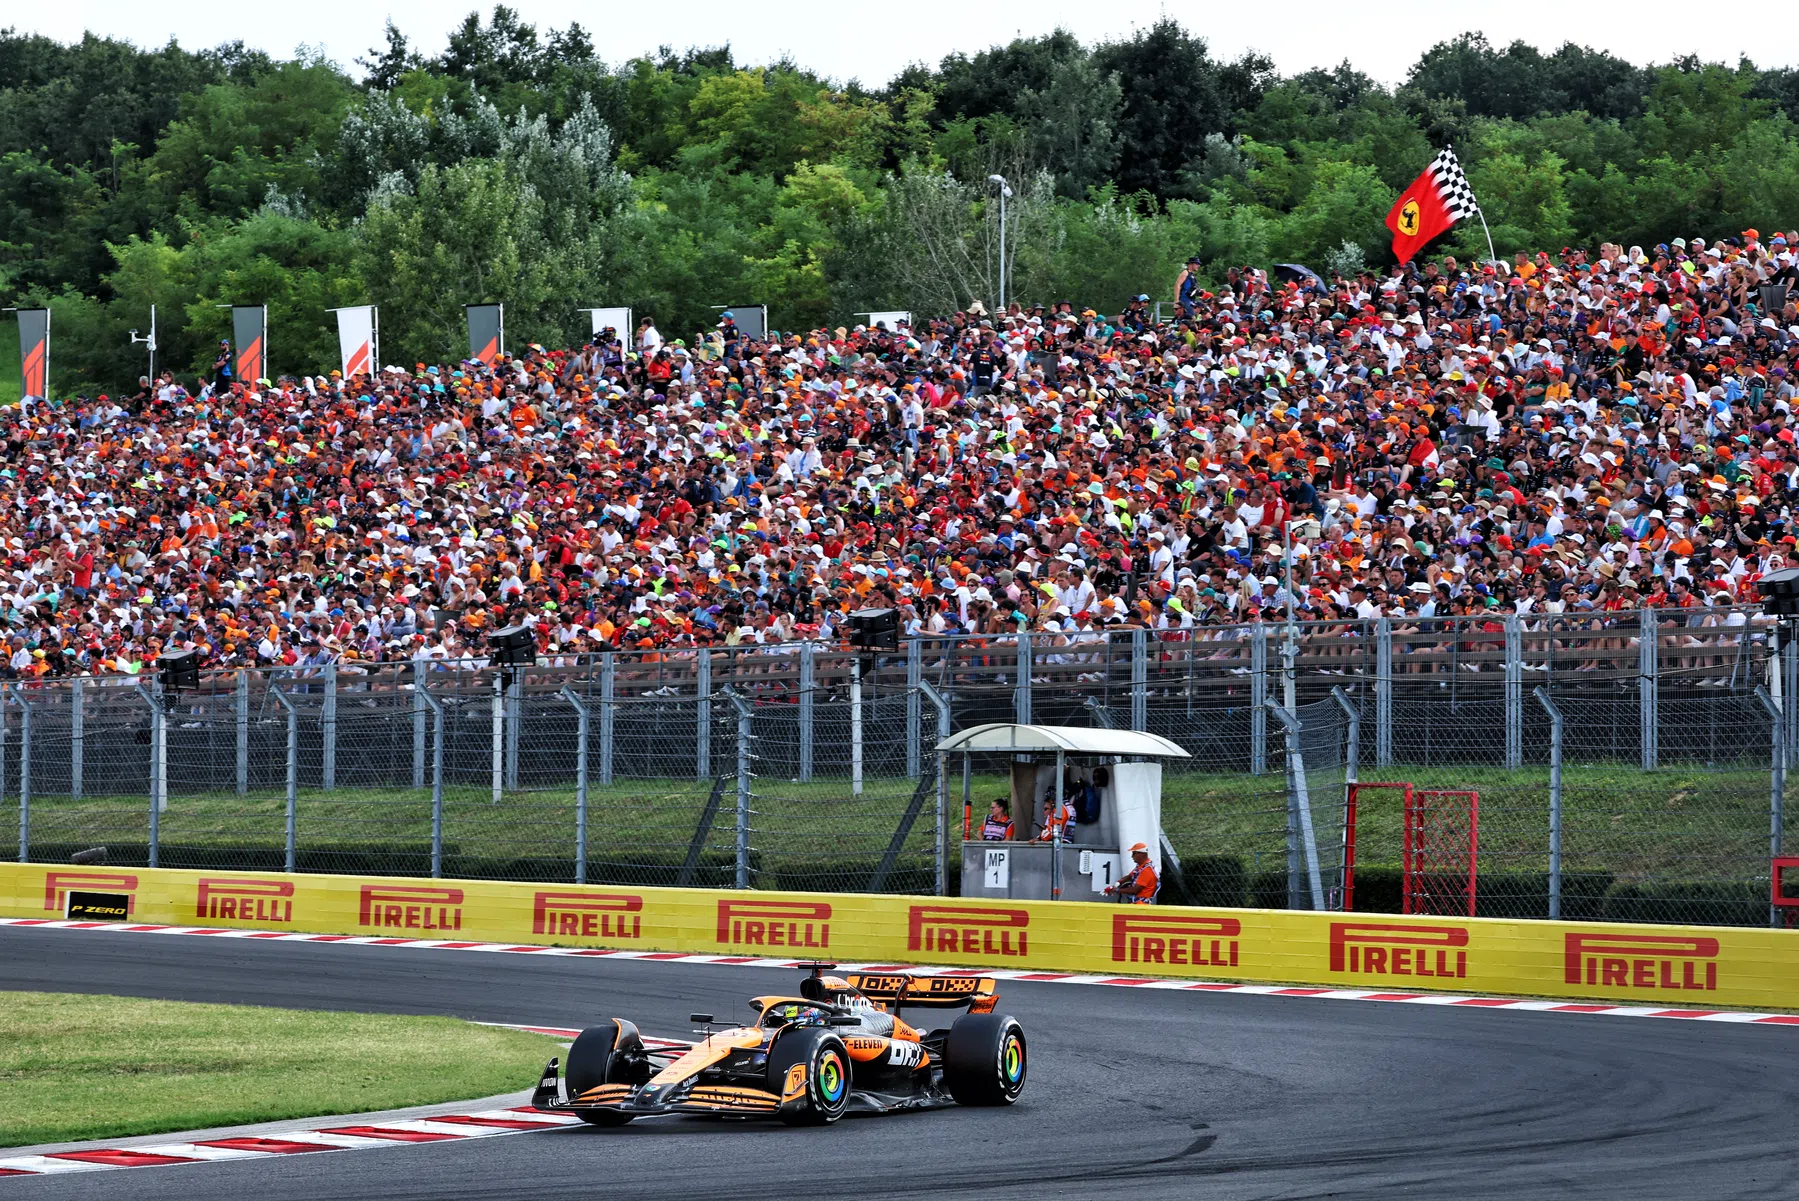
column 1582, row 431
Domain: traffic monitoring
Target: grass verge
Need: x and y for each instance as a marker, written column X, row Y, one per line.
column 87, row 1067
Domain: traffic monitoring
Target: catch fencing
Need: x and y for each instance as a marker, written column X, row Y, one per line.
column 1629, row 767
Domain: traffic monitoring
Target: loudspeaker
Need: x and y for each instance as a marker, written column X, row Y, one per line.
column 513, row 646
column 180, row 670
column 1780, row 592
column 875, row 629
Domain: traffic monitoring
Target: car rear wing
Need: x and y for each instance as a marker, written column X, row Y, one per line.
column 943, row 992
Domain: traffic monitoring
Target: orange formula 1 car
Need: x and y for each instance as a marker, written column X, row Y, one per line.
column 840, row 1046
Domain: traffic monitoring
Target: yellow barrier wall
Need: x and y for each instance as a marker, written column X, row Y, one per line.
column 1674, row 966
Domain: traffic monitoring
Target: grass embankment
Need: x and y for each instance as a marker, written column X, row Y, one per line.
column 1677, row 822
column 86, row 1067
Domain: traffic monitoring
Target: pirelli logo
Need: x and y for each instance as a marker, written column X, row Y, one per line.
column 1391, row 949
column 405, row 907
column 1175, row 940
column 1664, row 962
column 968, row 930
column 239, row 900
column 57, row 886
column 774, row 923
column 587, row 914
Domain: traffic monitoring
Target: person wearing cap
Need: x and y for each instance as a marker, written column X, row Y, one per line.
column 1139, row 885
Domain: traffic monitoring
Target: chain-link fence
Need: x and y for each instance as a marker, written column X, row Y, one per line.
column 742, row 767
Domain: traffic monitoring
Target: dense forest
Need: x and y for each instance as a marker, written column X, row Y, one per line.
column 513, row 164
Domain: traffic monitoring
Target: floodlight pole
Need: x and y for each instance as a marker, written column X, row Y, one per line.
column 1005, row 190
column 149, row 343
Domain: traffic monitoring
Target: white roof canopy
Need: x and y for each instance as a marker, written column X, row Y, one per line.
column 1009, row 738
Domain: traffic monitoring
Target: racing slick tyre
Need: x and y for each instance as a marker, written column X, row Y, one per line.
column 827, row 1062
column 984, row 1059
column 593, row 1061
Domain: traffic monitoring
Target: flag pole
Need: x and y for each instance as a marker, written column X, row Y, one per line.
column 1483, row 224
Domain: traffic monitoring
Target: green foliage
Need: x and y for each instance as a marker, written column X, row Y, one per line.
column 514, row 164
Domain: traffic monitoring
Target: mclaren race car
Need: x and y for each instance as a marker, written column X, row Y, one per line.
column 841, row 1046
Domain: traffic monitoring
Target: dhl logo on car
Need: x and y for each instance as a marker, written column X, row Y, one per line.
column 1641, row 961
column 1175, row 939
column 58, row 885
column 405, row 907
column 774, row 923
column 240, row 900
column 1384, row 949
column 587, row 914
column 968, row 930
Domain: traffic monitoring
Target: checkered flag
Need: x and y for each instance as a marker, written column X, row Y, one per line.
column 1452, row 186
column 1437, row 199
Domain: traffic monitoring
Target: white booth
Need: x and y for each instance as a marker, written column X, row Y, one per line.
column 1111, row 777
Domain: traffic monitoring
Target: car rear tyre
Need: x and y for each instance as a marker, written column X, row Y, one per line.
column 984, row 1059
column 595, row 1060
column 828, row 1080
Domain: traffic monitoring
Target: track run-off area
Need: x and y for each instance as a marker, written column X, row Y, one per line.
column 1163, row 1093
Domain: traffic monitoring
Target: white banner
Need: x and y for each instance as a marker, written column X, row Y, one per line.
column 893, row 320
column 356, row 340
column 618, row 319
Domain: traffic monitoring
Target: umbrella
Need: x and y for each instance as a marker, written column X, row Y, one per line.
column 1296, row 273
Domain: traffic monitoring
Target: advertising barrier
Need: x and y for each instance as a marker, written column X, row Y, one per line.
column 1688, row 967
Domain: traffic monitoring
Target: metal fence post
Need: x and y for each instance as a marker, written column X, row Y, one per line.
column 1514, row 692
column 293, row 777
column 702, row 718
column 807, row 676
column 241, row 713
column 927, row 692
column 420, row 707
column 1790, row 678
column 1258, row 699
column 6, row 694
column 159, row 779
column 328, row 731
column 608, row 686
column 1383, row 692
column 77, row 715
column 1649, row 685
column 1555, row 800
column 914, row 709
column 423, row 693
column 25, row 749
column 569, row 695
column 1021, row 694
column 1301, row 843
column 1777, row 784
column 1352, row 754
column 744, row 734
column 1139, row 679
column 499, row 736
column 515, row 724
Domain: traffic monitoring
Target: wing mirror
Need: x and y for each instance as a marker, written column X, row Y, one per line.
column 843, row 1019
column 703, row 1019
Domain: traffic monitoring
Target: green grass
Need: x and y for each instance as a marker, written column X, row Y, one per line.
column 85, row 1067
column 9, row 363
column 1680, row 822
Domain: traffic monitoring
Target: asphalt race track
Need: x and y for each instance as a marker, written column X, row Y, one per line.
column 1146, row 1094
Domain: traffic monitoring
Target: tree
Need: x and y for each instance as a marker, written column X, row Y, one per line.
column 1071, row 125
column 1177, row 96
column 387, row 65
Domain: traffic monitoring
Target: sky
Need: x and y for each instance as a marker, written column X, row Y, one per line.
column 844, row 39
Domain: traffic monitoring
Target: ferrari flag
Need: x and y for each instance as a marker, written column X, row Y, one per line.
column 1436, row 200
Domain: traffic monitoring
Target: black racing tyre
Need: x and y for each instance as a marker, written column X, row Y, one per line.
column 984, row 1059
column 593, row 1061
column 828, row 1079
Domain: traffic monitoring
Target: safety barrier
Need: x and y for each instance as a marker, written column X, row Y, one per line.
column 1687, row 967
